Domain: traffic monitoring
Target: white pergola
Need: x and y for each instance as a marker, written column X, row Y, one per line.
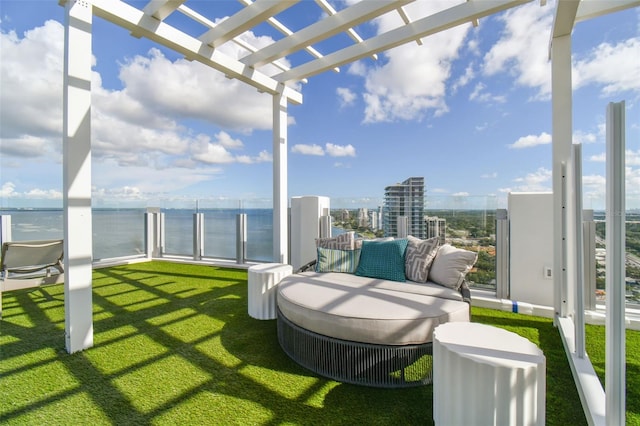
column 154, row 21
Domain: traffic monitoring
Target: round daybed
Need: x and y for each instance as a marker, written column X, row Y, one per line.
column 362, row 330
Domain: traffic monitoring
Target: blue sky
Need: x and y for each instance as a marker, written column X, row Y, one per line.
column 469, row 110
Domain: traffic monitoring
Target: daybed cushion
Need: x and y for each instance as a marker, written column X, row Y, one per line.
column 451, row 265
column 382, row 259
column 369, row 310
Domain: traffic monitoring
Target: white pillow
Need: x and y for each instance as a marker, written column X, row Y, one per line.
column 451, row 265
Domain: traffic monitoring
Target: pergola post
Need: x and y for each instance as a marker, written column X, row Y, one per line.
column 615, row 356
column 280, row 194
column 77, row 176
column 562, row 111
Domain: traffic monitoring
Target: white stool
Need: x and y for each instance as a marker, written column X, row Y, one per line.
column 263, row 280
column 484, row 375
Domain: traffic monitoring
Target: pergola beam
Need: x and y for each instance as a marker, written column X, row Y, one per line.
column 160, row 9
column 328, row 27
column 129, row 17
column 208, row 23
column 449, row 18
column 589, row 9
column 247, row 18
column 329, row 10
column 287, row 32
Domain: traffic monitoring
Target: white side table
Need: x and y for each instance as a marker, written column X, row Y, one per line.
column 263, row 280
column 484, row 375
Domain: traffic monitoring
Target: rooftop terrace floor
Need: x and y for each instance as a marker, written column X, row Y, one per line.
column 173, row 344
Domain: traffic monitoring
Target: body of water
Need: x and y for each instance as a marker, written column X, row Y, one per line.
column 121, row 232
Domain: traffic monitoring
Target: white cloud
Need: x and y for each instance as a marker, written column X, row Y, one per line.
column 480, row 95
column 135, row 127
column 307, row 149
column 493, row 175
column 538, row 181
column 528, row 141
column 631, row 158
column 610, row 66
column 464, row 79
column 190, row 89
column 584, row 138
column 213, row 154
column 7, row 189
column 330, row 149
column 411, row 83
column 346, row 96
column 340, row 151
column 339, row 165
column 26, row 146
column 523, row 49
column 461, row 194
column 224, row 139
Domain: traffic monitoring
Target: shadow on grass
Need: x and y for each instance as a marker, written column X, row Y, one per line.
column 173, row 344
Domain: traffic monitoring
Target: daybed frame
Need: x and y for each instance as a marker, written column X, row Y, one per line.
column 375, row 365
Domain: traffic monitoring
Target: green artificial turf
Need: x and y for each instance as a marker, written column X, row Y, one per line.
column 173, row 344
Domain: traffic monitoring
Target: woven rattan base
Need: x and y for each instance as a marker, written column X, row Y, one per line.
column 354, row 362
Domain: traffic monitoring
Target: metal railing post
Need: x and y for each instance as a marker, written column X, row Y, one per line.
column 154, row 232
column 502, row 254
column 198, row 236
column 589, row 241
column 241, row 238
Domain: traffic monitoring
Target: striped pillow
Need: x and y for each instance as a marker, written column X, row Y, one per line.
column 330, row 260
column 339, row 242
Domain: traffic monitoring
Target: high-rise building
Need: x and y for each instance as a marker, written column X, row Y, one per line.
column 404, row 199
column 436, row 227
column 363, row 217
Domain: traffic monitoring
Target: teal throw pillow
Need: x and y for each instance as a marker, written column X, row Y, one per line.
column 333, row 260
column 383, row 259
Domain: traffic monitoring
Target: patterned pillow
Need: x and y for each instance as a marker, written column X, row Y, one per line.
column 451, row 266
column 383, row 259
column 339, row 242
column 418, row 258
column 330, row 260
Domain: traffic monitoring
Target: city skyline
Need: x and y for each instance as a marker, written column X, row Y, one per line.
column 469, row 110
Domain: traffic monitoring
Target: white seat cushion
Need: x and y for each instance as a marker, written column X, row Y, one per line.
column 369, row 310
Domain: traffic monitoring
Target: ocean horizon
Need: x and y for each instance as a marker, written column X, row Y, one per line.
column 121, row 232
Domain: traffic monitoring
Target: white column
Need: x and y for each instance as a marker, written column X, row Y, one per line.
column 615, row 264
column 5, row 228
column 280, row 194
column 198, row 236
column 78, row 250
column 561, row 135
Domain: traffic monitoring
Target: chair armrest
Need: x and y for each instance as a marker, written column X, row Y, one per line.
column 310, row 266
column 466, row 292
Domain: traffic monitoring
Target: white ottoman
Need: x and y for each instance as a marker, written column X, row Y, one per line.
column 263, row 280
column 484, row 375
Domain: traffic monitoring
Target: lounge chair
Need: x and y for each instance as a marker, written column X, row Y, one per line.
column 26, row 264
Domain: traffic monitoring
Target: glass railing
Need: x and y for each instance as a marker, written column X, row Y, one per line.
column 463, row 221
column 632, row 260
